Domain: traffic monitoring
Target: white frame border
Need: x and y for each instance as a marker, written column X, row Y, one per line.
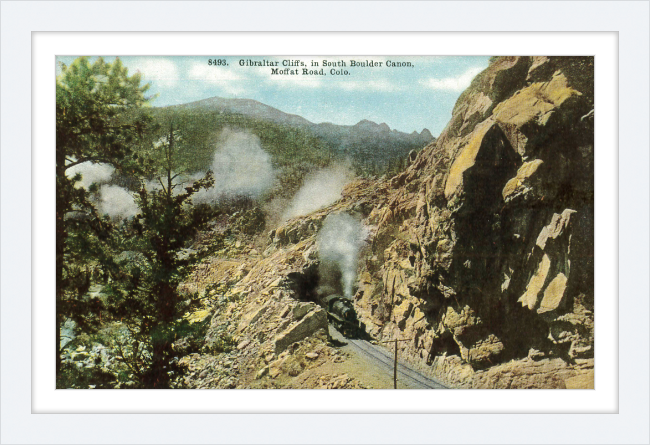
column 45, row 399
column 628, row 19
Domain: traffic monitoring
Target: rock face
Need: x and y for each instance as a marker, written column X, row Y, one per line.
column 485, row 248
column 480, row 253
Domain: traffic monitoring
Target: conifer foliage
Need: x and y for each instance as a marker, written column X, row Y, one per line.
column 94, row 123
column 140, row 261
column 145, row 292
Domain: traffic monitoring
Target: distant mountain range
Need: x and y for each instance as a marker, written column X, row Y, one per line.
column 365, row 138
column 248, row 107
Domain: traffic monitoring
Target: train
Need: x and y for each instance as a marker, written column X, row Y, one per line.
column 341, row 314
column 340, row 310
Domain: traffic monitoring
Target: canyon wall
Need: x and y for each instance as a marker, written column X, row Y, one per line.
column 479, row 255
column 482, row 256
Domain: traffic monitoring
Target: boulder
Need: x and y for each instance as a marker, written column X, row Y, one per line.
column 529, row 113
column 402, row 312
column 243, row 344
column 306, row 327
column 301, row 309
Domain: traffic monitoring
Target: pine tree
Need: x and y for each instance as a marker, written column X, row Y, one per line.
column 94, row 123
column 146, row 296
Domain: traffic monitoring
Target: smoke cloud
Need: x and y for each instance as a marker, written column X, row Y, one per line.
column 116, row 202
column 90, row 172
column 339, row 242
column 112, row 200
column 241, row 168
column 319, row 190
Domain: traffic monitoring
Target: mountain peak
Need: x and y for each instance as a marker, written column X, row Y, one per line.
column 426, row 134
column 249, row 107
column 368, row 125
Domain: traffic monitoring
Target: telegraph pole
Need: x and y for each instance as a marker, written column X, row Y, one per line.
column 395, row 368
column 395, row 363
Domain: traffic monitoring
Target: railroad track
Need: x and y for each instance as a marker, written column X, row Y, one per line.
column 382, row 360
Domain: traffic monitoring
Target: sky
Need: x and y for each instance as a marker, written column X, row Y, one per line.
column 407, row 98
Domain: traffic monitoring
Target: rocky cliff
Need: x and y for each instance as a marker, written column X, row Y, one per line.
column 483, row 255
column 480, row 253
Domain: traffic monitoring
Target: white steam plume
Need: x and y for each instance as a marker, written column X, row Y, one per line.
column 112, row 200
column 90, row 172
column 319, row 190
column 339, row 242
column 117, row 202
column 240, row 166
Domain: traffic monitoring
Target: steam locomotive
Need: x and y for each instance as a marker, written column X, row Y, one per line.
column 340, row 310
column 341, row 314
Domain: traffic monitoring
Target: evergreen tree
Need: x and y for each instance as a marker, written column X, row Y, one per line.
column 145, row 295
column 94, row 123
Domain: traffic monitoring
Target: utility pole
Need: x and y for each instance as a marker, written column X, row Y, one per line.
column 395, row 368
column 395, row 363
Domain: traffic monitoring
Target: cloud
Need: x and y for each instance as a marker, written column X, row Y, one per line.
column 458, row 83
column 289, row 81
column 371, row 85
column 212, row 74
column 160, row 71
column 227, row 79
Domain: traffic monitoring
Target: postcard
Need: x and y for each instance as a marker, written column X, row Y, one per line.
column 324, row 222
